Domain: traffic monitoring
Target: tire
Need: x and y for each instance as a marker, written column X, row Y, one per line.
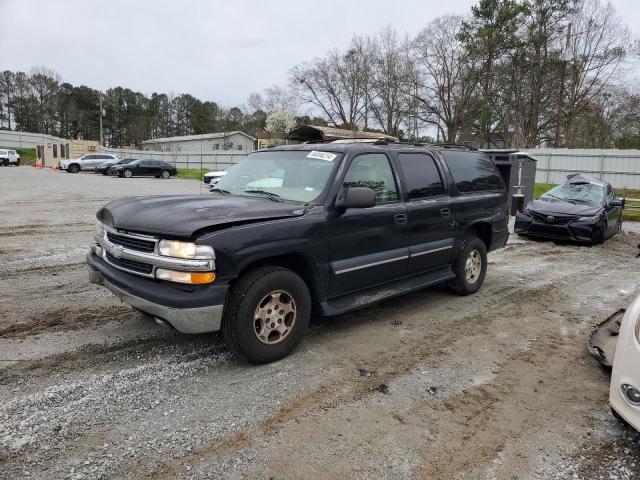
column 73, row 168
column 469, row 273
column 242, row 325
column 5, row 163
column 599, row 237
column 165, row 174
column 18, row 163
column 127, row 173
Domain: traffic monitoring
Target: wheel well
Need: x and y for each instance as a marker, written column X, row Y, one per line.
column 483, row 232
column 295, row 262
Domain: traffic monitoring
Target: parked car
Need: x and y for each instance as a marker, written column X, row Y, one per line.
column 86, row 162
column 624, row 393
column 324, row 227
column 144, row 168
column 583, row 209
column 211, row 178
column 9, row 157
column 104, row 168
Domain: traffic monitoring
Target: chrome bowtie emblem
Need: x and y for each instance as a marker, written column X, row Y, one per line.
column 116, row 251
column 551, row 219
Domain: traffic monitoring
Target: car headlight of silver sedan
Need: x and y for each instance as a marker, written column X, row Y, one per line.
column 187, row 250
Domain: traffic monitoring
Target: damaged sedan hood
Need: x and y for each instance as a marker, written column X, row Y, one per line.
column 557, row 206
column 181, row 216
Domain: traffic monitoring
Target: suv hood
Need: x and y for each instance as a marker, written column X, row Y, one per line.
column 181, row 216
column 552, row 205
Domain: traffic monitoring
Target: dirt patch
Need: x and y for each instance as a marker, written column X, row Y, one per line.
column 65, row 318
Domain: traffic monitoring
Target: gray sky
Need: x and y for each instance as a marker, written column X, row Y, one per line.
column 216, row 50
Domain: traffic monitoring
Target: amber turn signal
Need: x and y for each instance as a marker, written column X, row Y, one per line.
column 195, row 278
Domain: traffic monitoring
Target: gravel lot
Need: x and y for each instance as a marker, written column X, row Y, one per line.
column 431, row 385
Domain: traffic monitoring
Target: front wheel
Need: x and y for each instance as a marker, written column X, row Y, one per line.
column 73, row 168
column 470, row 267
column 267, row 314
column 5, row 163
column 127, row 173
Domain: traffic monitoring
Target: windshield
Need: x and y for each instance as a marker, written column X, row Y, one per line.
column 298, row 176
column 585, row 193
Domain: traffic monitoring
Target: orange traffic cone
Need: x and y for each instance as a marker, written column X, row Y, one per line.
column 54, row 168
column 38, row 164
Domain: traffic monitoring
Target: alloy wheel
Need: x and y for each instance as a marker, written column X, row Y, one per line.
column 274, row 317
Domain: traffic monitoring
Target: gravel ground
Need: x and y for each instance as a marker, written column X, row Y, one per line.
column 431, row 385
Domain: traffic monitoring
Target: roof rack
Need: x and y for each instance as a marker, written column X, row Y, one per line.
column 452, row 146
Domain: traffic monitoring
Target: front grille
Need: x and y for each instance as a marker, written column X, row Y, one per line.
column 138, row 244
column 537, row 229
column 557, row 219
column 132, row 265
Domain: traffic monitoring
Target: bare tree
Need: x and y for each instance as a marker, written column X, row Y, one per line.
column 389, row 79
column 335, row 85
column 597, row 54
column 446, row 76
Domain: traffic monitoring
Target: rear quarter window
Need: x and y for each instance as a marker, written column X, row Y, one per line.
column 473, row 172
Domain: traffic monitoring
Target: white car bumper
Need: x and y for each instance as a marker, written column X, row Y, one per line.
column 626, row 368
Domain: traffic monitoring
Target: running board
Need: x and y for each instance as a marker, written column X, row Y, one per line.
column 370, row 296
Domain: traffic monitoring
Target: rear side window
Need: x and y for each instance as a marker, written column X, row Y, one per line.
column 472, row 172
column 421, row 175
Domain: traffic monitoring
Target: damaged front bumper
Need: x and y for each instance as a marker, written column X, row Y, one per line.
column 576, row 230
column 193, row 309
column 625, row 376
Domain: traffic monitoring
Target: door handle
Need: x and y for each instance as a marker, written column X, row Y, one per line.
column 400, row 219
column 445, row 212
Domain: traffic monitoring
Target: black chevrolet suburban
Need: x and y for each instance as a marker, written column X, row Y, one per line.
column 291, row 230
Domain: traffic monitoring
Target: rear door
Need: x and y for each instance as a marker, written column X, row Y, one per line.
column 431, row 221
column 369, row 246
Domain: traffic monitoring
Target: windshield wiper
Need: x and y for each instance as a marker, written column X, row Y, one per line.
column 220, row 190
column 272, row 196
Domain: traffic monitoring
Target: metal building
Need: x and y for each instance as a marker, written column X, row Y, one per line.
column 205, row 143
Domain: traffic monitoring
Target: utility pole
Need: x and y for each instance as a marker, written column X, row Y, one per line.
column 101, row 115
column 559, row 113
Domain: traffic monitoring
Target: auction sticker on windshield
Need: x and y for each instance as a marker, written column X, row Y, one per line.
column 329, row 157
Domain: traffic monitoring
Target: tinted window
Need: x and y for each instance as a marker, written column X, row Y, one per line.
column 421, row 175
column 473, row 172
column 372, row 171
column 611, row 195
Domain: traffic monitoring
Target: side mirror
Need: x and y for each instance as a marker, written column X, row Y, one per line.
column 618, row 202
column 356, row 197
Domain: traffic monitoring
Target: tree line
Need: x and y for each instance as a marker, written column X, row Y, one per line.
column 41, row 102
column 519, row 73
column 512, row 73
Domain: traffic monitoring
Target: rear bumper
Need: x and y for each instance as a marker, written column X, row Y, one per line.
column 196, row 309
column 576, row 231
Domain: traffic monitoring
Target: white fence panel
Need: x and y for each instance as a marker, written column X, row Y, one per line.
column 13, row 139
column 621, row 168
column 187, row 160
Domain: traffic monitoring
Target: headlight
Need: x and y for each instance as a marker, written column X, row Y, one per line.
column 174, row 248
column 589, row 219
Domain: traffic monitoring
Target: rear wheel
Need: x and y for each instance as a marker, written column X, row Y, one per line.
column 267, row 314
column 470, row 267
column 128, row 173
